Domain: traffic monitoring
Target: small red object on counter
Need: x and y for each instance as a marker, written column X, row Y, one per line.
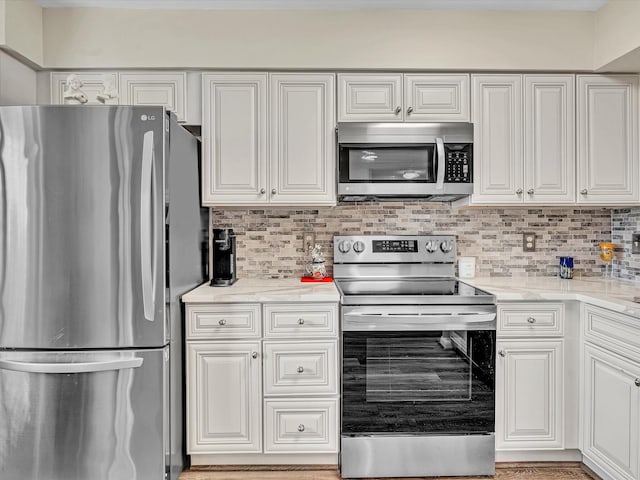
column 316, row 280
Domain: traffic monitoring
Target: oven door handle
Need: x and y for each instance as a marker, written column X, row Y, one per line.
column 363, row 322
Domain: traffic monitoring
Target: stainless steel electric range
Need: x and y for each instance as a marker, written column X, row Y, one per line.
column 418, row 360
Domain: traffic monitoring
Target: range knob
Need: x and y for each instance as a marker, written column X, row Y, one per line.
column 344, row 246
column 431, row 246
column 358, row 247
column 446, row 247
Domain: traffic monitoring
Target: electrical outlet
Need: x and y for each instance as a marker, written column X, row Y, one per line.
column 309, row 240
column 529, row 242
column 635, row 242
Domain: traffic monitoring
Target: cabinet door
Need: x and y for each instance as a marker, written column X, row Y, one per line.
column 302, row 139
column 156, row 88
column 549, row 137
column 436, row 98
column 611, row 413
column 529, row 395
column 234, row 136
column 608, row 139
column 93, row 83
column 370, row 98
column 497, row 119
column 224, row 397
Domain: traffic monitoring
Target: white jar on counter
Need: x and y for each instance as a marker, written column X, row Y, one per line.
column 466, row 267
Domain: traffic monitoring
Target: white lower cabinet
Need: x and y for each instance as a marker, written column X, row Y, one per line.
column 530, row 378
column 234, row 376
column 610, row 387
column 224, row 397
column 529, row 401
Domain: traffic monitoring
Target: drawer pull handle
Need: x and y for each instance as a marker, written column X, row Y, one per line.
column 254, row 355
column 531, row 320
column 300, row 369
column 301, row 321
column 301, row 428
column 222, row 321
column 637, row 382
column 501, row 353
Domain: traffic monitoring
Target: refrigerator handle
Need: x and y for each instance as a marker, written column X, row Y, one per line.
column 70, row 367
column 147, row 225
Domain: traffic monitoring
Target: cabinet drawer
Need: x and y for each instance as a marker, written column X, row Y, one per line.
column 284, row 320
column 611, row 329
column 297, row 368
column 223, row 321
column 298, row 426
column 531, row 319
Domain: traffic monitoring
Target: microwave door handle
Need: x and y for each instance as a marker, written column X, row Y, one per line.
column 440, row 164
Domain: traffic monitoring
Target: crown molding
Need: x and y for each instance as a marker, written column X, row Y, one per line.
column 513, row 5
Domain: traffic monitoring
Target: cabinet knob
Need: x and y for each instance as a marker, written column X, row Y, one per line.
column 222, row 321
column 254, row 355
column 301, row 321
column 531, row 320
column 519, row 191
column 273, row 191
column 583, row 191
column 263, row 191
column 637, row 382
column 300, row 369
column 501, row 353
column 530, row 191
column 398, row 110
column 409, row 110
column 301, row 428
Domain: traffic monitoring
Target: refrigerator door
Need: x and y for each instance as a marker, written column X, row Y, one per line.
column 83, row 415
column 82, row 227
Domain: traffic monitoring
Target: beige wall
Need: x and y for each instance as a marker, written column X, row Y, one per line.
column 21, row 29
column 616, row 34
column 373, row 39
column 17, row 82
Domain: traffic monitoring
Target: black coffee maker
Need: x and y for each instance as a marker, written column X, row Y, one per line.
column 224, row 257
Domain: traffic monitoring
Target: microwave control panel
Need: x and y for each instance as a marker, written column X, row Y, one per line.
column 458, row 163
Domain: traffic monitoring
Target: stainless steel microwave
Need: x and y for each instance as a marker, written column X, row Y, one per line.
column 385, row 161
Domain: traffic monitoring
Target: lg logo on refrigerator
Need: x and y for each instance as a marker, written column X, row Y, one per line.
column 144, row 118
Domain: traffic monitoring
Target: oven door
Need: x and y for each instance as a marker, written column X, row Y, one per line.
column 418, row 370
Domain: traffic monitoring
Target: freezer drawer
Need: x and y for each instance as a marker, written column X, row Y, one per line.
column 83, row 415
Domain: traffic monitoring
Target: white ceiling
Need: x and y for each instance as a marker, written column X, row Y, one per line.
column 559, row 5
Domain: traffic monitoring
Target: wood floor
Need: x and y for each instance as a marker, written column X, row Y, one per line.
column 504, row 471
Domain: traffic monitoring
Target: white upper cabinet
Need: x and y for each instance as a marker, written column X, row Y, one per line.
column 608, row 169
column 302, row 138
column 549, row 137
column 268, row 139
column 234, row 138
column 368, row 97
column 524, row 129
column 436, row 98
column 155, row 88
column 394, row 97
column 90, row 85
column 497, row 119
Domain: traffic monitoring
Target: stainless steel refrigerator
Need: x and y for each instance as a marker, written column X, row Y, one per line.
column 102, row 231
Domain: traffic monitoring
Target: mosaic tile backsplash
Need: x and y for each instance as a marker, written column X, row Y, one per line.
column 270, row 240
column 626, row 221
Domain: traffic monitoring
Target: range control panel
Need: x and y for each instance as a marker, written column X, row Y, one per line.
column 458, row 163
column 394, row 249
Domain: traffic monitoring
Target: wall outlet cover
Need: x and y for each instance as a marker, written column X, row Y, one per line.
column 635, row 242
column 528, row 242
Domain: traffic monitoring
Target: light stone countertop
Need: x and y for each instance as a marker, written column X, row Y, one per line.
column 264, row 290
column 612, row 294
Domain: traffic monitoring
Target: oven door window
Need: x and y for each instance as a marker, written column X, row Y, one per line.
column 418, row 382
column 387, row 164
